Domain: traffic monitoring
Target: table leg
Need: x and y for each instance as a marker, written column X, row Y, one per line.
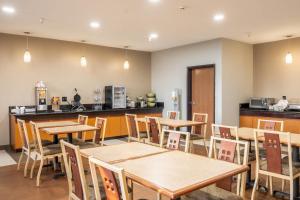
column 55, row 139
column 70, row 138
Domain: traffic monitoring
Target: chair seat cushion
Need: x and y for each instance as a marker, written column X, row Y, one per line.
column 196, row 137
column 143, row 135
column 285, row 166
column 52, row 149
column 211, row 193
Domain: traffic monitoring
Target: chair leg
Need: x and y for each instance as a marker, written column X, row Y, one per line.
column 33, row 165
column 20, row 159
column 282, row 185
column 291, row 189
column 271, row 185
column 158, row 196
column 39, row 172
column 191, row 147
column 62, row 164
column 27, row 163
column 204, row 143
column 254, row 187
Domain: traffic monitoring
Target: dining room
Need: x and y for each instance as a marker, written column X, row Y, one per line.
column 149, row 99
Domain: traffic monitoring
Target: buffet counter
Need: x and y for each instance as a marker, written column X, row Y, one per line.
column 116, row 124
column 249, row 118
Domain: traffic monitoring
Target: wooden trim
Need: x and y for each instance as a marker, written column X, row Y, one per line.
column 189, row 88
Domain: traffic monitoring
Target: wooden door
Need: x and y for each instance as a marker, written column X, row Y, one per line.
column 201, row 92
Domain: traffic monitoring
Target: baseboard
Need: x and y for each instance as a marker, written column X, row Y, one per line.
column 4, row 147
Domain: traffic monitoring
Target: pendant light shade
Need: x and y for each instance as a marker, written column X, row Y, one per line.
column 83, row 61
column 289, row 58
column 126, row 64
column 27, row 56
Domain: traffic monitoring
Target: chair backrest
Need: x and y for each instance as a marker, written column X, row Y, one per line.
column 23, row 133
column 82, row 120
column 223, row 131
column 115, row 188
column 227, row 149
column 174, row 137
column 36, row 134
column 75, row 171
column 153, row 130
column 272, row 125
column 201, row 129
column 101, row 124
column 272, row 143
column 132, row 126
column 173, row 114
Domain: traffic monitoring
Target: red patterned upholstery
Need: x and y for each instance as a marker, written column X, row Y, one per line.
column 199, row 129
column 100, row 124
column 78, row 191
column 227, row 153
column 133, row 132
column 172, row 115
column 110, row 184
column 154, row 131
column 173, row 141
column 225, row 132
column 273, row 153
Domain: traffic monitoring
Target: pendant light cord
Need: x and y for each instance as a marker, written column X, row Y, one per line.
column 26, row 42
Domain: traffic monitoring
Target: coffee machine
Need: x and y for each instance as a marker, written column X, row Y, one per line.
column 41, row 98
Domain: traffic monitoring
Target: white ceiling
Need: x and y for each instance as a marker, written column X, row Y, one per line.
column 128, row 22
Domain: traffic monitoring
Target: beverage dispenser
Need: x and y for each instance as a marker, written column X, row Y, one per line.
column 41, row 98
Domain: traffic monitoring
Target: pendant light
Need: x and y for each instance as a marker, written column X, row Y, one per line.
column 83, row 61
column 27, row 55
column 288, row 56
column 126, row 62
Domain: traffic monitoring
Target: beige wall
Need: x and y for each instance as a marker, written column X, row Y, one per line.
column 234, row 74
column 272, row 76
column 169, row 71
column 237, row 78
column 58, row 64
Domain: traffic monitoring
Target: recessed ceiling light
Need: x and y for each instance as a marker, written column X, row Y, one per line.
column 8, row 9
column 154, row 1
column 94, row 24
column 218, row 17
column 152, row 36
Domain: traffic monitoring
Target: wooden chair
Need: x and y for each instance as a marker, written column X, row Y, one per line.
column 173, row 142
column 274, row 165
column 271, row 125
column 98, row 135
column 226, row 151
column 198, row 133
column 115, row 187
column 75, row 172
column 153, row 131
column 133, row 128
column 43, row 152
column 173, row 114
column 83, row 120
column 27, row 147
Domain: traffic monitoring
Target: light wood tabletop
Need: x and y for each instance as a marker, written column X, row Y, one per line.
column 248, row 134
column 55, row 124
column 175, row 123
column 122, row 152
column 69, row 129
column 176, row 173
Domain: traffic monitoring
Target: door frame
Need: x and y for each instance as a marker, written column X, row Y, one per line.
column 189, row 88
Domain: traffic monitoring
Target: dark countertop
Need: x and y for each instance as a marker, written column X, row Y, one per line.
column 157, row 109
column 246, row 111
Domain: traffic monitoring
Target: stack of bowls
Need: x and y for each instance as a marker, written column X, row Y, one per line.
column 151, row 99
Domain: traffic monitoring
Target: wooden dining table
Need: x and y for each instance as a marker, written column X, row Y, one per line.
column 51, row 124
column 174, row 123
column 121, row 152
column 171, row 173
column 69, row 130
